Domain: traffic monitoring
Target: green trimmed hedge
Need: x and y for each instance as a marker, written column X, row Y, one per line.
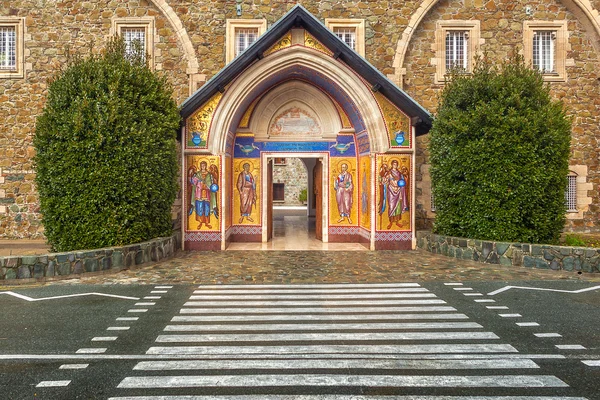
column 499, row 156
column 106, row 161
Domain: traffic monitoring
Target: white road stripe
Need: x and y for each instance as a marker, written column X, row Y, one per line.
column 333, row 364
column 163, row 287
column 287, row 337
column 311, row 291
column 485, row 301
column 138, row 310
column 312, row 317
column 216, row 297
column 570, row 347
column 510, row 315
column 463, row 288
column 323, row 303
column 128, row 318
column 320, row 349
column 453, row 284
column 104, row 339
column 528, row 324
column 95, row 350
column 473, row 294
column 322, row 327
column 591, row 363
column 145, row 303
column 547, row 335
column 496, row 307
column 319, row 310
column 313, row 286
column 324, row 380
column 158, row 291
column 344, row 397
column 74, row 366
column 117, row 328
column 53, row 384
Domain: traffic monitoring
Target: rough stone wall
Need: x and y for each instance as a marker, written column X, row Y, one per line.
column 502, row 32
column 293, row 174
column 52, row 27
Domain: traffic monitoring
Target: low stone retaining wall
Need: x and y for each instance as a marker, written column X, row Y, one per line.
column 566, row 258
column 78, row 262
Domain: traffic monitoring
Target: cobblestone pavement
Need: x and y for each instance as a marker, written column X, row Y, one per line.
column 237, row 267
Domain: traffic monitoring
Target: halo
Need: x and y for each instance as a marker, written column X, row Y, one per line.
column 240, row 167
column 344, row 161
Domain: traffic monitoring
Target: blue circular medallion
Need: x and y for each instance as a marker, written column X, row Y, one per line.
column 214, row 188
column 401, row 183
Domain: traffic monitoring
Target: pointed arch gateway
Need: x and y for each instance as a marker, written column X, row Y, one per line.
column 299, row 91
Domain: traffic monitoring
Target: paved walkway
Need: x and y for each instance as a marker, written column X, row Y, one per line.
column 236, row 267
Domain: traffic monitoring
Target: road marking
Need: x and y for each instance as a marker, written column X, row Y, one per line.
column 27, row 298
column 325, row 380
column 311, row 291
column 322, row 303
column 145, row 303
column 496, row 307
column 319, row 350
column 591, row 363
column 547, row 335
column 510, row 315
column 473, row 294
column 463, row 288
column 53, row 384
column 128, row 318
column 505, row 288
column 314, row 286
column 104, row 339
column 287, row 337
column 345, row 397
column 163, row 287
column 216, row 297
column 312, row 317
column 321, row 327
column 152, row 297
column 485, row 301
column 118, row 328
column 134, row 310
column 317, row 310
column 570, row 347
column 333, row 364
column 453, row 284
column 73, row 366
column 528, row 324
column 95, row 350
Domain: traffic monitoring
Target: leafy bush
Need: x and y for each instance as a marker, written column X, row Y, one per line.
column 574, row 240
column 499, row 156
column 106, row 159
column 303, row 195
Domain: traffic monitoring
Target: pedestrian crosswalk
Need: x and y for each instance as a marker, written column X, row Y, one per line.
column 332, row 342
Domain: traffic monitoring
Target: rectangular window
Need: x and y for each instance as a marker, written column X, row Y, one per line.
column 278, row 191
column 571, row 194
column 244, row 37
column 134, row 36
column 348, row 36
column 137, row 32
column 457, row 52
column 279, row 161
column 8, row 48
column 543, row 50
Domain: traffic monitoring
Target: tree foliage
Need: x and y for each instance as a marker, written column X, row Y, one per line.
column 106, row 162
column 499, row 156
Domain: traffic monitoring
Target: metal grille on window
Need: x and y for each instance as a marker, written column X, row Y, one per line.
column 348, row 35
column 8, row 47
column 543, row 50
column 244, row 39
column 571, row 194
column 432, row 202
column 456, row 50
column 133, row 35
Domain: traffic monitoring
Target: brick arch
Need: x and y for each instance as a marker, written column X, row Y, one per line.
column 582, row 9
column 181, row 33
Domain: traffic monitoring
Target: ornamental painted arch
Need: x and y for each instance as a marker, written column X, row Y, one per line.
column 299, row 91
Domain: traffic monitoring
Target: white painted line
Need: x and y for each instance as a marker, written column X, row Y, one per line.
column 286, row 337
column 152, row 297
column 346, row 397
column 138, row 310
column 118, row 328
column 163, row 287
column 591, row 363
column 570, row 347
column 104, row 339
column 245, row 291
column 496, row 307
column 74, row 366
column 320, row 350
column 473, row 294
column 27, row 298
column 321, row 327
column 53, row 384
column 94, row 350
column 485, row 301
column 528, row 324
column 312, row 317
column 510, row 315
column 333, row 364
column 505, row 288
column 317, row 310
column 547, row 335
column 390, row 296
column 324, row 380
column 463, row 288
column 145, row 303
column 453, row 284
column 314, row 286
column 158, row 291
column 128, row 318
column 323, row 303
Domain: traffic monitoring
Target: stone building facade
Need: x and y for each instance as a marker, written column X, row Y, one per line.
column 409, row 42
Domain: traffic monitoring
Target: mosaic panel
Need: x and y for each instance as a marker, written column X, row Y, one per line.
column 198, row 124
column 246, row 191
column 397, row 123
column 246, row 147
column 393, row 192
column 202, row 193
column 343, row 196
column 246, row 230
column 363, row 143
column 365, row 191
column 295, row 122
column 202, row 236
column 340, row 230
column 311, row 42
column 393, row 236
column 343, row 147
column 227, row 174
column 283, row 43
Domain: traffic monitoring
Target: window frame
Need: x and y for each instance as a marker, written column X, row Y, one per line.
column 571, row 193
column 232, row 25
column 559, row 27
column 472, row 28
column 146, row 23
column 358, row 25
column 18, row 24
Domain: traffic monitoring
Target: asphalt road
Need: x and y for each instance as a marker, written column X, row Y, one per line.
column 434, row 340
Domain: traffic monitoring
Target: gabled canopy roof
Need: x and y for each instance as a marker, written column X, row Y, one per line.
column 299, row 17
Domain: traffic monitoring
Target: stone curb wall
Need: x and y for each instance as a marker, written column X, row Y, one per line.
column 78, row 262
column 586, row 259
